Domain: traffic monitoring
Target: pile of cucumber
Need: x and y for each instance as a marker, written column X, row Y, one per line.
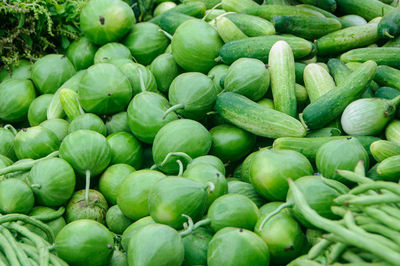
column 221, row 133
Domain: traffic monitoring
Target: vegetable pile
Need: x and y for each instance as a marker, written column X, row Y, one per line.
column 221, row 133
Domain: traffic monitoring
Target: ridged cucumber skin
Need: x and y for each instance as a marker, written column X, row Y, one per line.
column 301, row 95
column 269, row 11
column 389, row 27
column 383, row 149
column 70, row 103
column 283, row 78
column 381, row 55
column 171, row 21
column 346, row 39
column 331, row 105
column 392, row 132
column 228, row 31
column 261, row 121
column 326, row 14
column 195, row 9
column 368, row 9
column 327, row 5
column 309, row 146
column 386, row 92
column 252, row 26
column 307, row 27
column 318, row 81
column 259, row 47
column 352, row 20
column 238, row 5
column 388, row 76
column 389, row 169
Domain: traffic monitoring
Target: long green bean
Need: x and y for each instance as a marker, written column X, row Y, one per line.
column 384, row 231
column 352, row 257
column 21, row 256
column 51, row 216
column 374, row 199
column 336, row 252
column 353, row 177
column 8, row 251
column 377, row 185
column 383, row 217
column 318, row 249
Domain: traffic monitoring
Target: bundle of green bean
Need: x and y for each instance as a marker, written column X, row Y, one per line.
column 19, row 246
column 367, row 234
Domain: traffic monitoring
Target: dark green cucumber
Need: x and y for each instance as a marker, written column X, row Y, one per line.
column 388, row 76
column 386, row 93
column 327, row 14
column 299, row 71
column 328, row 5
column 381, row 55
column 252, row 26
column 393, row 43
column 346, row 39
column 331, row 105
column 248, row 115
column 389, row 26
column 259, row 47
column 270, row 11
column 195, row 9
column 238, row 5
column 307, row 27
column 368, row 9
column 170, row 21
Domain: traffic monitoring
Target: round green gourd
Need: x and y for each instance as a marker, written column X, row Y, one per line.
column 15, row 196
column 37, row 112
column 125, row 148
column 116, row 221
column 81, row 53
column 88, row 121
column 110, row 51
column 164, row 69
column 95, row 208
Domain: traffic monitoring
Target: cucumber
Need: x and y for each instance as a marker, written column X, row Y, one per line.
column 283, row 78
column 238, row 5
column 259, row 47
column 195, row 9
column 352, row 20
column 326, row 14
column 392, row 132
column 383, row 149
column 389, row 27
column 347, row 39
column 277, row 2
column 301, row 95
column 368, row 9
column 317, row 81
column 260, row 121
column 70, row 103
column 389, row 169
column 381, row 55
column 299, row 71
column 386, row 92
column 388, row 76
column 328, row 5
column 307, row 27
column 252, row 26
column 228, row 31
column 170, row 21
column 393, row 43
column 331, row 105
column 270, row 11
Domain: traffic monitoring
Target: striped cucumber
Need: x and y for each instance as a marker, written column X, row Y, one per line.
column 270, row 11
column 307, row 27
column 389, row 169
column 381, row 55
column 389, row 26
column 368, row 9
column 171, row 21
column 70, row 103
column 238, row 5
column 252, row 26
column 328, row 5
column 388, row 76
column 261, row 121
column 195, row 9
column 259, row 47
column 352, row 20
column 383, row 149
column 392, row 132
column 283, row 78
column 228, row 31
column 317, row 81
column 347, row 39
column 331, row 105
column 326, row 14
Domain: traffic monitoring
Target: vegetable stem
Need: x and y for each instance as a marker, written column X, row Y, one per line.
column 172, row 109
column 87, row 186
column 272, row 214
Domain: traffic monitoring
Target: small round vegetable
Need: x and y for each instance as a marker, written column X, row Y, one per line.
column 20, row 70
column 118, row 123
column 210, row 160
column 195, row 45
column 217, row 74
column 111, row 51
column 111, row 179
column 118, row 259
column 37, row 112
column 140, row 77
column 7, row 143
column 57, row 126
column 15, row 196
column 245, row 189
column 125, row 148
column 164, row 69
column 95, row 208
column 81, row 53
column 88, row 121
column 130, row 231
column 51, row 71
column 15, row 97
column 196, row 247
column 116, row 221
column 52, row 181
column 163, row 7
column 105, row 21
column 85, row 242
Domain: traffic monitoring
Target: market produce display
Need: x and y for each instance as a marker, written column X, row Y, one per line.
column 200, row 132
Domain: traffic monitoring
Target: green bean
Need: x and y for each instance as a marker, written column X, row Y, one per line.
column 383, row 218
column 50, row 216
column 333, row 185
column 3, row 259
column 32, row 262
column 336, row 251
column 367, row 256
column 57, row 260
column 8, row 251
column 374, row 199
column 393, row 211
column 347, row 236
column 21, row 256
column 352, row 257
column 272, row 214
column 342, row 199
column 383, row 230
column 30, row 251
column 318, row 249
column 353, row 177
column 362, row 220
column 377, row 185
column 362, row 264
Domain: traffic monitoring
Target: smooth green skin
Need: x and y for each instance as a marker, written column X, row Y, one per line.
column 282, row 234
column 383, row 149
column 245, row 168
column 196, row 92
column 181, row 135
column 86, row 150
column 352, row 20
column 218, row 73
column 387, row 76
column 170, row 21
column 195, row 45
column 56, row 179
column 104, row 89
column 195, row 9
column 125, row 148
column 58, row 126
column 210, row 160
column 15, row 97
column 270, row 169
column 268, row 103
column 5, row 161
column 77, row 208
column 248, row 77
column 146, row 42
column 37, row 111
column 88, row 121
column 106, row 21
column 85, row 242
column 319, row 196
column 171, row 197
column 118, row 62
column 51, row 71
column 270, row 11
column 116, row 221
column 135, row 72
column 340, row 155
column 145, row 114
column 127, row 234
column 240, row 247
column 325, row 6
column 368, row 9
column 20, row 71
column 155, row 244
column 81, row 53
column 15, row 197
column 392, row 132
column 56, row 225
column 111, row 179
column 245, row 189
column 227, row 30
column 118, row 259
column 164, row 69
column 118, row 123
column 111, row 51
column 389, row 169
column 230, row 143
column 252, row 26
column 35, row 142
column 7, row 144
column 317, row 81
column 205, row 173
column 133, row 193
column 381, row 55
column 163, row 7
column 233, row 210
column 196, row 247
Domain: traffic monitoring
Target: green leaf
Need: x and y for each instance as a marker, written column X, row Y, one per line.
column 65, row 42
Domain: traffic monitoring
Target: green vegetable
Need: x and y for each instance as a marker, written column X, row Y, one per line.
column 317, row 81
column 140, row 78
column 250, row 25
column 84, row 204
column 116, row 221
column 270, row 11
column 110, row 51
column 117, row 123
column 81, row 53
column 381, row 55
column 125, row 148
column 392, row 132
column 16, row 196
column 245, row 189
column 128, row 233
column 237, row 5
column 164, row 69
column 227, row 30
column 57, row 126
column 352, row 20
column 368, row 9
column 196, row 247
